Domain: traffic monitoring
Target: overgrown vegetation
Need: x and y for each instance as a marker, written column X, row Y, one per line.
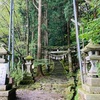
column 17, row 74
column 73, row 81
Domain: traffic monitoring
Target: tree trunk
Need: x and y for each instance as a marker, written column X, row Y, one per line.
column 39, row 54
column 77, row 9
column 46, row 36
column 27, row 14
column 69, row 51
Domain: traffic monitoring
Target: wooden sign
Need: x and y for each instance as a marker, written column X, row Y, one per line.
column 3, row 71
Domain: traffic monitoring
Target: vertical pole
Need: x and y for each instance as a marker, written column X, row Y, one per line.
column 78, row 44
column 12, row 34
column 10, row 28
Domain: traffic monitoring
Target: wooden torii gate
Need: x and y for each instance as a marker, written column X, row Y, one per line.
column 58, row 55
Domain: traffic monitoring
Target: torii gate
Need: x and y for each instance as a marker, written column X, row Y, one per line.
column 58, row 55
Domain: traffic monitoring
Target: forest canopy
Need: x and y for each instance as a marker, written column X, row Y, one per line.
column 56, row 22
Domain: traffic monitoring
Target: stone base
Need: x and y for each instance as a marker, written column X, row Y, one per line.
column 93, row 81
column 91, row 89
column 27, row 80
column 5, row 87
column 8, row 95
column 83, row 95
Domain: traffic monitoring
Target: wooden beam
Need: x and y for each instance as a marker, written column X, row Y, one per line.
column 58, row 52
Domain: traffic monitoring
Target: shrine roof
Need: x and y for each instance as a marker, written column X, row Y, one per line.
column 94, row 57
column 3, row 51
column 91, row 47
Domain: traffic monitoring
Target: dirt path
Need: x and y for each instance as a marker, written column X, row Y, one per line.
column 48, row 88
column 37, row 95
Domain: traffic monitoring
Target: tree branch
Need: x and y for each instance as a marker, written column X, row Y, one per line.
column 37, row 1
column 35, row 4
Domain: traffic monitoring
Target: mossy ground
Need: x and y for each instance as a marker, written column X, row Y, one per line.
column 56, row 81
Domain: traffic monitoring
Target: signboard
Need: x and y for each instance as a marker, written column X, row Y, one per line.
column 3, row 71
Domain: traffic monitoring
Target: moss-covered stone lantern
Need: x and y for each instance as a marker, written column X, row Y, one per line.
column 29, row 61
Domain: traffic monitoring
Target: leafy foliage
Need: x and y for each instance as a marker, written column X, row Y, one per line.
column 4, row 20
column 40, row 62
column 68, row 10
column 56, row 23
column 91, row 27
column 17, row 74
column 92, row 30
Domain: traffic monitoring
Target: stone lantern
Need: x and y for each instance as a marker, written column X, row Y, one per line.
column 3, row 65
column 6, row 90
column 93, row 56
column 28, row 77
column 91, row 86
column 29, row 61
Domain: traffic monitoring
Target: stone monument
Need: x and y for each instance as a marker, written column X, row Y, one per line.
column 91, row 87
column 6, row 90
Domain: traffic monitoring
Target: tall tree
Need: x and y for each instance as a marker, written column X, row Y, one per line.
column 56, row 23
column 69, row 45
column 39, row 44
column 45, row 29
column 27, row 26
column 68, row 15
column 39, row 51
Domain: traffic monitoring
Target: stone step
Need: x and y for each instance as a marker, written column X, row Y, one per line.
column 5, row 87
column 83, row 95
column 93, row 81
column 91, row 89
column 8, row 95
